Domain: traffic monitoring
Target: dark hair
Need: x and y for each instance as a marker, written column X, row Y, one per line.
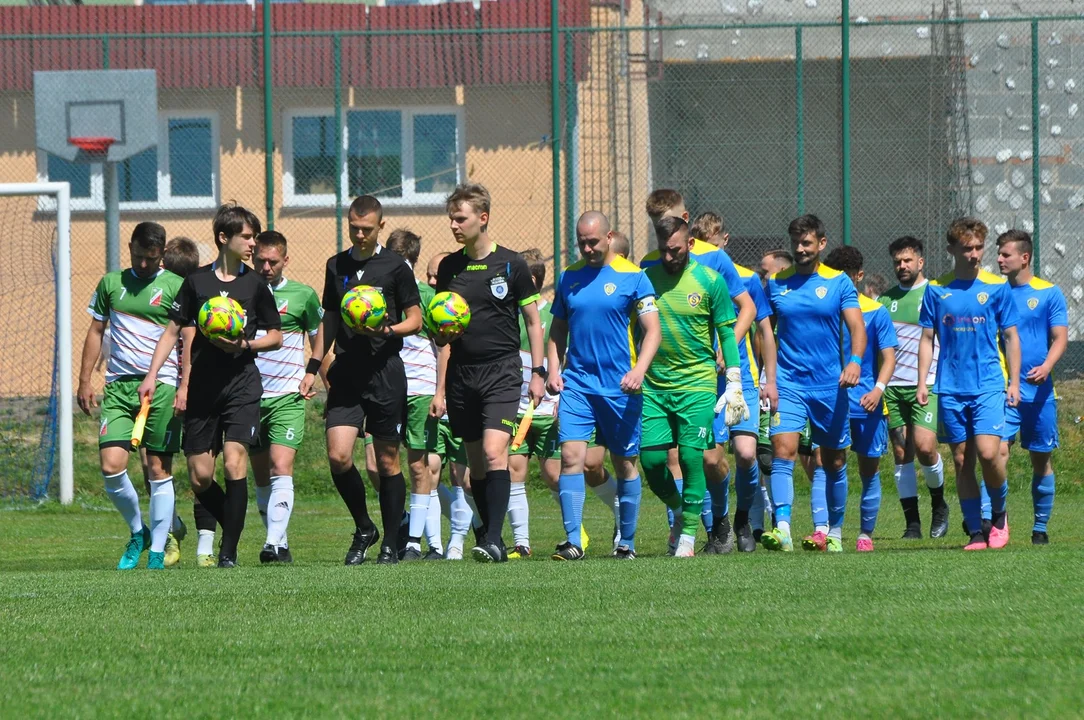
column 662, row 200
column 181, row 256
column 1022, row 240
column 149, row 235
column 846, row 259
column 876, row 283
column 231, row 219
column 271, row 238
column 964, row 226
column 906, row 243
column 708, row 224
column 406, row 243
column 366, row 204
column 536, row 263
column 801, row 226
column 665, row 227
column 781, row 255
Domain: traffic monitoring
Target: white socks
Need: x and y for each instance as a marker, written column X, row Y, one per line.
column 280, row 505
column 433, row 532
column 519, row 515
column 162, row 506
column 460, row 520
column 475, row 521
column 607, row 493
column 419, row 513
column 124, row 497
column 205, row 544
column 906, row 482
column 934, row 474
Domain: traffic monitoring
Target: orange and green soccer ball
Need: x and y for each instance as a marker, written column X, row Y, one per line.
column 448, row 312
column 222, row 317
column 363, row 307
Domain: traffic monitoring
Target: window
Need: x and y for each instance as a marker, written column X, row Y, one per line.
column 180, row 173
column 404, row 156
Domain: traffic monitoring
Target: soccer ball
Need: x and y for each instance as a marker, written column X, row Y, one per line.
column 222, row 317
column 363, row 307
column 448, row 312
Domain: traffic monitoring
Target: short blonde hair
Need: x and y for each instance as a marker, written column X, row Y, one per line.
column 474, row 194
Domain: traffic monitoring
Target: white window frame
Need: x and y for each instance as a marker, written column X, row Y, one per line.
column 410, row 198
column 165, row 201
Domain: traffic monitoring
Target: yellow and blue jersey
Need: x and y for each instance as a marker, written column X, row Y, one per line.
column 750, row 373
column 809, row 321
column 710, row 257
column 880, row 334
column 967, row 315
column 1040, row 306
column 600, row 306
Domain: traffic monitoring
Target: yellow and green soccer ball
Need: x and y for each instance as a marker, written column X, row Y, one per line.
column 363, row 307
column 448, row 312
column 222, row 317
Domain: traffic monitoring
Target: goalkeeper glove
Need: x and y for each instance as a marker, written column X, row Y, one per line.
column 733, row 399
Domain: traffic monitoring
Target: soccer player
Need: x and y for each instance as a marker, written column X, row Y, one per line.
column 1044, row 335
column 425, row 439
column 710, row 227
column 812, row 303
column 368, row 381
column 478, row 373
column 912, row 427
column 593, row 307
column 620, row 244
column 774, row 261
column 133, row 306
column 680, row 402
column 223, row 414
column 965, row 310
column 282, row 408
column 869, row 415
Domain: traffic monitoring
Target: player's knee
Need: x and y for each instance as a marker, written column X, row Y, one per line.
column 339, row 459
column 764, row 459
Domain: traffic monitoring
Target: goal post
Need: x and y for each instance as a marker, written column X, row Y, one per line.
column 58, row 195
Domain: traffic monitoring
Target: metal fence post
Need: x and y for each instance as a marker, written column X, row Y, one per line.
column 1036, row 165
column 268, row 134
column 799, row 119
column 572, row 145
column 105, row 52
column 337, row 47
column 845, row 97
column 555, row 138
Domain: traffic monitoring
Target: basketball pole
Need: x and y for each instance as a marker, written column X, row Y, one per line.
column 112, row 216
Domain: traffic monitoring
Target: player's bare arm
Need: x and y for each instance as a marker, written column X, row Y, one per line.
column 92, row 348
column 925, row 359
column 437, row 406
column 852, row 371
column 271, row 341
column 872, row 400
column 535, row 335
column 1012, row 357
column 558, row 344
column 768, row 358
column 747, row 313
column 329, row 328
column 180, row 399
column 166, row 344
column 652, row 337
column 1059, row 341
column 411, row 324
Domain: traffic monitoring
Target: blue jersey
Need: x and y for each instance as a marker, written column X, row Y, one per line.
column 809, row 321
column 600, row 306
column 750, row 373
column 709, row 256
column 880, row 334
column 966, row 315
column 1040, row 306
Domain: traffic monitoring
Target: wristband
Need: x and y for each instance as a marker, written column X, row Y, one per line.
column 879, row 385
column 856, row 360
column 312, row 367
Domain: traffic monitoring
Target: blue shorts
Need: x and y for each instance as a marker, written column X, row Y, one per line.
column 962, row 417
column 745, row 427
column 1037, row 424
column 869, row 435
column 827, row 410
column 613, row 422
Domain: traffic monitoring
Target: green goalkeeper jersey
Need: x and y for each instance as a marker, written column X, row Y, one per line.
column 692, row 306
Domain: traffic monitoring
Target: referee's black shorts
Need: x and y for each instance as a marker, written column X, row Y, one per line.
column 223, row 405
column 483, row 397
column 367, row 397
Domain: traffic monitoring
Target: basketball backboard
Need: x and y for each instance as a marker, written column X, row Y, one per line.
column 118, row 104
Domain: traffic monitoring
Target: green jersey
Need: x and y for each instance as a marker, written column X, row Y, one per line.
column 692, row 307
column 904, row 305
column 419, row 355
column 548, row 406
column 299, row 307
column 137, row 311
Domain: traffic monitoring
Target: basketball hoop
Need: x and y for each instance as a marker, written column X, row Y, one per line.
column 92, row 145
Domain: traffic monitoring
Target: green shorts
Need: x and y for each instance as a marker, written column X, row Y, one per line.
column 903, row 408
column 282, row 421
column 421, row 430
column 678, row 418
column 120, row 407
column 764, row 438
column 541, row 441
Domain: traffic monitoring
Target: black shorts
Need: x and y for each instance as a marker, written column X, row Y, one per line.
column 222, row 408
column 371, row 400
column 483, row 397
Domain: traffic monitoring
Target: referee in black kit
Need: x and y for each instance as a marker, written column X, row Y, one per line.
column 479, row 374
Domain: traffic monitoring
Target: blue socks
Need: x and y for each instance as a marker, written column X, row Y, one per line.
column 1042, row 496
column 984, row 497
column 747, row 485
column 572, row 490
column 716, row 502
column 837, row 496
column 629, row 493
column 680, row 484
column 871, row 502
column 782, row 488
column 818, row 497
column 998, row 498
column 972, row 511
